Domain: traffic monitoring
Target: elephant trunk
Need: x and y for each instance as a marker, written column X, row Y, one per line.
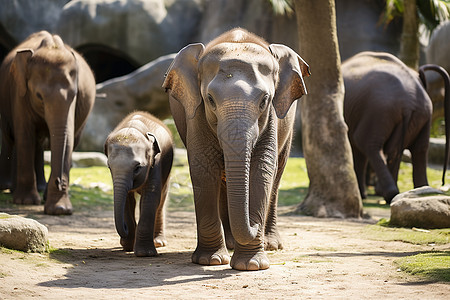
column 121, row 189
column 61, row 146
column 237, row 156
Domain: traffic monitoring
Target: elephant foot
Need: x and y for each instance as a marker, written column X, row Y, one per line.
column 245, row 260
column 31, row 198
column 160, row 241
column 127, row 244
column 272, row 241
column 390, row 195
column 211, row 257
column 143, row 249
column 61, row 206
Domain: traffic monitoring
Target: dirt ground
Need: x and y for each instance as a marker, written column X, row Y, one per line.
column 322, row 259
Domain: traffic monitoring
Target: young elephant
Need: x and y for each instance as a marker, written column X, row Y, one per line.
column 233, row 103
column 46, row 92
column 140, row 155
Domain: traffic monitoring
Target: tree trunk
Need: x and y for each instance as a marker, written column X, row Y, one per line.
column 409, row 45
column 333, row 189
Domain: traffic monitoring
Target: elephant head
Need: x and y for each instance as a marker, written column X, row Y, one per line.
column 240, row 82
column 131, row 155
column 47, row 78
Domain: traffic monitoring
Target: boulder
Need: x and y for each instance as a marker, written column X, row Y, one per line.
column 82, row 159
column 424, row 207
column 117, row 97
column 21, row 18
column 22, row 234
column 142, row 30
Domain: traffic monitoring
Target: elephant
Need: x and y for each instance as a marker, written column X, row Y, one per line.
column 387, row 110
column 47, row 92
column 140, row 156
column 233, row 103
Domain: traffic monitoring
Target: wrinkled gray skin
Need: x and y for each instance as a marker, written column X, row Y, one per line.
column 46, row 91
column 140, row 155
column 387, row 110
column 233, row 105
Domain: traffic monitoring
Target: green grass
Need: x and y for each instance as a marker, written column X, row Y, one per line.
column 383, row 232
column 93, row 186
column 434, row 266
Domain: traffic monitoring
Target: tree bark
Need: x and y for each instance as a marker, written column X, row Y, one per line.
column 333, row 189
column 409, row 45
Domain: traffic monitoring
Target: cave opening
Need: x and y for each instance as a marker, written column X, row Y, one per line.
column 107, row 63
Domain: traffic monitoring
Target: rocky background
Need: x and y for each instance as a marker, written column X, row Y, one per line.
column 119, row 36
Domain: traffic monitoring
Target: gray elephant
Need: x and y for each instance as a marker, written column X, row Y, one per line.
column 47, row 91
column 140, row 155
column 387, row 110
column 233, row 103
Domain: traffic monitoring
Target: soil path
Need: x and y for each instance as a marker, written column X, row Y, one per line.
column 322, row 259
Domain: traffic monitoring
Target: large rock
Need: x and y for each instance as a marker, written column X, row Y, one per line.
column 21, row 18
column 117, row 97
column 141, row 29
column 22, row 234
column 423, row 207
column 254, row 15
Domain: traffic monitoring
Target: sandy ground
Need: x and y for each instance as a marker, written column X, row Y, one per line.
column 322, row 259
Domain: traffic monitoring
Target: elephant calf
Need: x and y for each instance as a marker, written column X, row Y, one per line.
column 140, row 155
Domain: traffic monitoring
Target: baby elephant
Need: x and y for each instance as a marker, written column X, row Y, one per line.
column 140, row 155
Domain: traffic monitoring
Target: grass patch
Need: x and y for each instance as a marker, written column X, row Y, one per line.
column 431, row 265
column 382, row 232
column 93, row 187
column 180, row 192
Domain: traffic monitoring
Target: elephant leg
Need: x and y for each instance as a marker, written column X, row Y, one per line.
column 211, row 248
column 130, row 221
column 419, row 157
column 388, row 187
column 150, row 199
column 39, row 167
column 160, row 238
column 229, row 240
column 6, row 163
column 206, row 169
column 360, row 166
column 25, row 191
column 272, row 238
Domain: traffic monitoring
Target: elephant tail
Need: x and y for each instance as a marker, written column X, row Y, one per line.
column 441, row 71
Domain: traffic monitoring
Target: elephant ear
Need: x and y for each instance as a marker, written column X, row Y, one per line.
column 154, row 141
column 182, row 78
column 19, row 69
column 290, row 83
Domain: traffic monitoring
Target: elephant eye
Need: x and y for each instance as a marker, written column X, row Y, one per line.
column 137, row 168
column 264, row 102
column 211, row 101
column 39, row 96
